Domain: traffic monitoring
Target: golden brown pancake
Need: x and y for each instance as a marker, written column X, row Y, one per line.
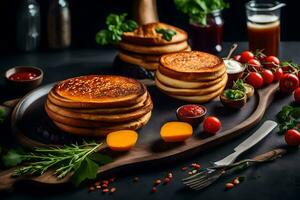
column 116, row 110
column 147, row 35
column 191, row 66
column 154, row 50
column 187, row 84
column 191, row 92
column 122, row 117
column 96, row 132
column 201, row 98
column 97, row 91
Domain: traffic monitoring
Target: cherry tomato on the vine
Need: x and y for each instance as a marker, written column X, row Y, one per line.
column 297, row 95
column 278, row 74
column 246, row 56
column 255, row 79
column 254, row 65
column 271, row 62
column 288, row 83
column 268, row 76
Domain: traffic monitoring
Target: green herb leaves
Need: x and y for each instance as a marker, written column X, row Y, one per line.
column 167, row 34
column 81, row 160
column 233, row 94
column 2, row 114
column 198, row 10
column 116, row 26
column 239, row 85
column 288, row 118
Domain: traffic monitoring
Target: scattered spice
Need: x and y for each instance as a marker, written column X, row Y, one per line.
column 98, row 187
column 105, row 190
column 112, row 190
column 236, row 181
column 184, row 168
column 166, row 180
column 154, row 189
column 91, row 189
column 229, row 186
column 170, row 175
column 157, row 182
column 136, row 179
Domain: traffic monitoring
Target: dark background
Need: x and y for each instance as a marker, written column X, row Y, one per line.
column 88, row 17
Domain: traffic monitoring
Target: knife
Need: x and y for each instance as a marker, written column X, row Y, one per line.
column 259, row 134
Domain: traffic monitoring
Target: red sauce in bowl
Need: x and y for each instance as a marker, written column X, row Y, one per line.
column 23, row 76
column 191, row 111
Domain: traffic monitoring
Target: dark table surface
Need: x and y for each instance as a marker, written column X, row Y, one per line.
column 275, row 180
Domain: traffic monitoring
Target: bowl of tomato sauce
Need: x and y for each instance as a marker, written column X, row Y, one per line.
column 192, row 113
column 24, row 78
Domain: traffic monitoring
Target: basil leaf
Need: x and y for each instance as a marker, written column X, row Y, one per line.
column 87, row 169
column 167, row 34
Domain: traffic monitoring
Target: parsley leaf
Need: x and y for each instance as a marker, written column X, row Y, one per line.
column 116, row 26
column 12, row 158
column 233, row 94
column 288, row 118
column 167, row 34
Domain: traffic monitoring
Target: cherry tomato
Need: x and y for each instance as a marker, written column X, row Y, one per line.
column 271, row 62
column 288, row 83
column 297, row 95
column 246, row 56
column 237, row 58
column 287, row 69
column 254, row 65
column 211, row 125
column 278, row 74
column 268, row 76
column 255, row 79
column 298, row 74
column 292, row 137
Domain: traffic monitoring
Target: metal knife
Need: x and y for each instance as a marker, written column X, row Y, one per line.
column 260, row 134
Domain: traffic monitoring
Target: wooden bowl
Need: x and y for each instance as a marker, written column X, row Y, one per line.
column 24, row 85
column 236, row 103
column 249, row 90
column 195, row 120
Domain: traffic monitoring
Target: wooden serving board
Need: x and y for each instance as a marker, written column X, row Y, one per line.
column 32, row 128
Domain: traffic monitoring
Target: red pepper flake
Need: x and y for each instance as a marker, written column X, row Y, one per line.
column 104, row 185
column 166, row 180
column 170, row 175
column 229, row 186
column 112, row 190
column 91, row 189
column 154, row 189
column 184, row 168
column 105, row 182
column 197, row 166
column 105, row 190
column 157, row 182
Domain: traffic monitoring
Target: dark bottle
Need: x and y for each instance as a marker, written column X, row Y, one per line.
column 59, row 24
column 28, row 26
column 209, row 37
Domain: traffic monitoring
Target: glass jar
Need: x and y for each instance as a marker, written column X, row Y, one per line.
column 28, row 26
column 209, row 37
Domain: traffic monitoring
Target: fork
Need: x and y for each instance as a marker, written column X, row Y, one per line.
column 209, row 175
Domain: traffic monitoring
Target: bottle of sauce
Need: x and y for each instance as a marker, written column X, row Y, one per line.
column 59, row 24
column 28, row 26
column 209, row 37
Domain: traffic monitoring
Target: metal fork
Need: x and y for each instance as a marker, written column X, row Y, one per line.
column 209, row 175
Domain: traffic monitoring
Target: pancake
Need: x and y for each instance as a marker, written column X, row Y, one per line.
column 186, row 84
column 116, row 110
column 146, row 57
column 140, row 62
column 133, row 125
column 201, row 98
column 154, row 50
column 122, row 117
column 97, row 91
column 146, row 35
column 191, row 92
column 191, row 66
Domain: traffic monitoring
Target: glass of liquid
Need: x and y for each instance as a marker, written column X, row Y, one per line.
column 263, row 24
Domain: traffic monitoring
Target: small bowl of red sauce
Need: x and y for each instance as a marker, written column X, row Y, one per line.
column 192, row 113
column 24, row 78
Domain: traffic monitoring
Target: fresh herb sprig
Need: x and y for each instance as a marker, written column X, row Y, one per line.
column 197, row 10
column 81, row 160
column 116, row 26
column 233, row 94
column 239, row 85
column 288, row 118
column 167, row 34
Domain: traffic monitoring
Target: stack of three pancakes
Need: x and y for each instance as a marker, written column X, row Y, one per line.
column 96, row 105
column 191, row 76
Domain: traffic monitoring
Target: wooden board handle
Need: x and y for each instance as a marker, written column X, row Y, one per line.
column 271, row 155
column 7, row 180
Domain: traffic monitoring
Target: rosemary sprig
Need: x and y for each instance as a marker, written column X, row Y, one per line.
column 81, row 160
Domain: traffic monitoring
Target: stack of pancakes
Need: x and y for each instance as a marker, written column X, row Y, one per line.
column 144, row 46
column 95, row 105
column 191, row 76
